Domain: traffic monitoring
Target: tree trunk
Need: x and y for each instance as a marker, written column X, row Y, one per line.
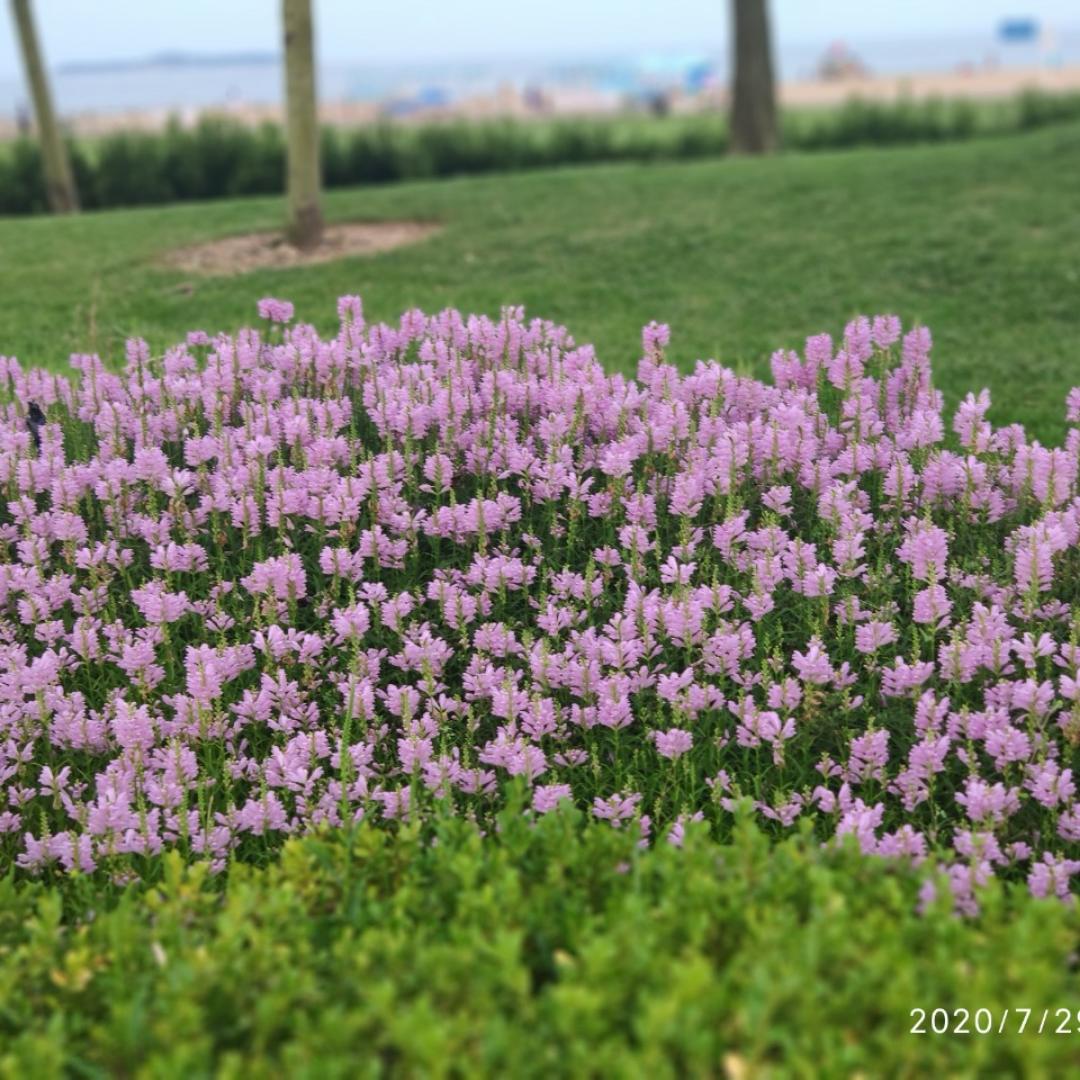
column 305, row 227
column 59, row 180
column 753, row 94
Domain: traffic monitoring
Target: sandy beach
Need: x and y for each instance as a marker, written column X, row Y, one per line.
column 982, row 84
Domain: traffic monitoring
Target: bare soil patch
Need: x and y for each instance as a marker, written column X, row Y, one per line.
column 270, row 250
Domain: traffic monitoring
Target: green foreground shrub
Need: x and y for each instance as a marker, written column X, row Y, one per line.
column 552, row 949
column 220, row 158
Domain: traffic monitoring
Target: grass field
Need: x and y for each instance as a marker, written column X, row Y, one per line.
column 981, row 241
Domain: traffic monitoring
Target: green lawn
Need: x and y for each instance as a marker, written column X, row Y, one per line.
column 979, row 240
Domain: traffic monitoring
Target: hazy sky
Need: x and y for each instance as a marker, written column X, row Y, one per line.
column 395, row 30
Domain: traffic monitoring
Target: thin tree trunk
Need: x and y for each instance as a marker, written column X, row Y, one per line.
column 753, row 95
column 59, row 180
column 305, row 227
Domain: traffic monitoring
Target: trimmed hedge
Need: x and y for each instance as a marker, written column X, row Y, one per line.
column 554, row 948
column 220, row 158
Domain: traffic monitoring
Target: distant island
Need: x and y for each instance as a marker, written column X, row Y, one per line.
column 170, row 60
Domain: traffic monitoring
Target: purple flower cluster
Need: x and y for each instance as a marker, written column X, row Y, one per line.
column 267, row 583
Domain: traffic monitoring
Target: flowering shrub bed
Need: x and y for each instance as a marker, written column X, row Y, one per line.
column 270, row 582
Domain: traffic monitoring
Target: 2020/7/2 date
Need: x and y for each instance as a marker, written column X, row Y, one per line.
column 1060, row 1021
